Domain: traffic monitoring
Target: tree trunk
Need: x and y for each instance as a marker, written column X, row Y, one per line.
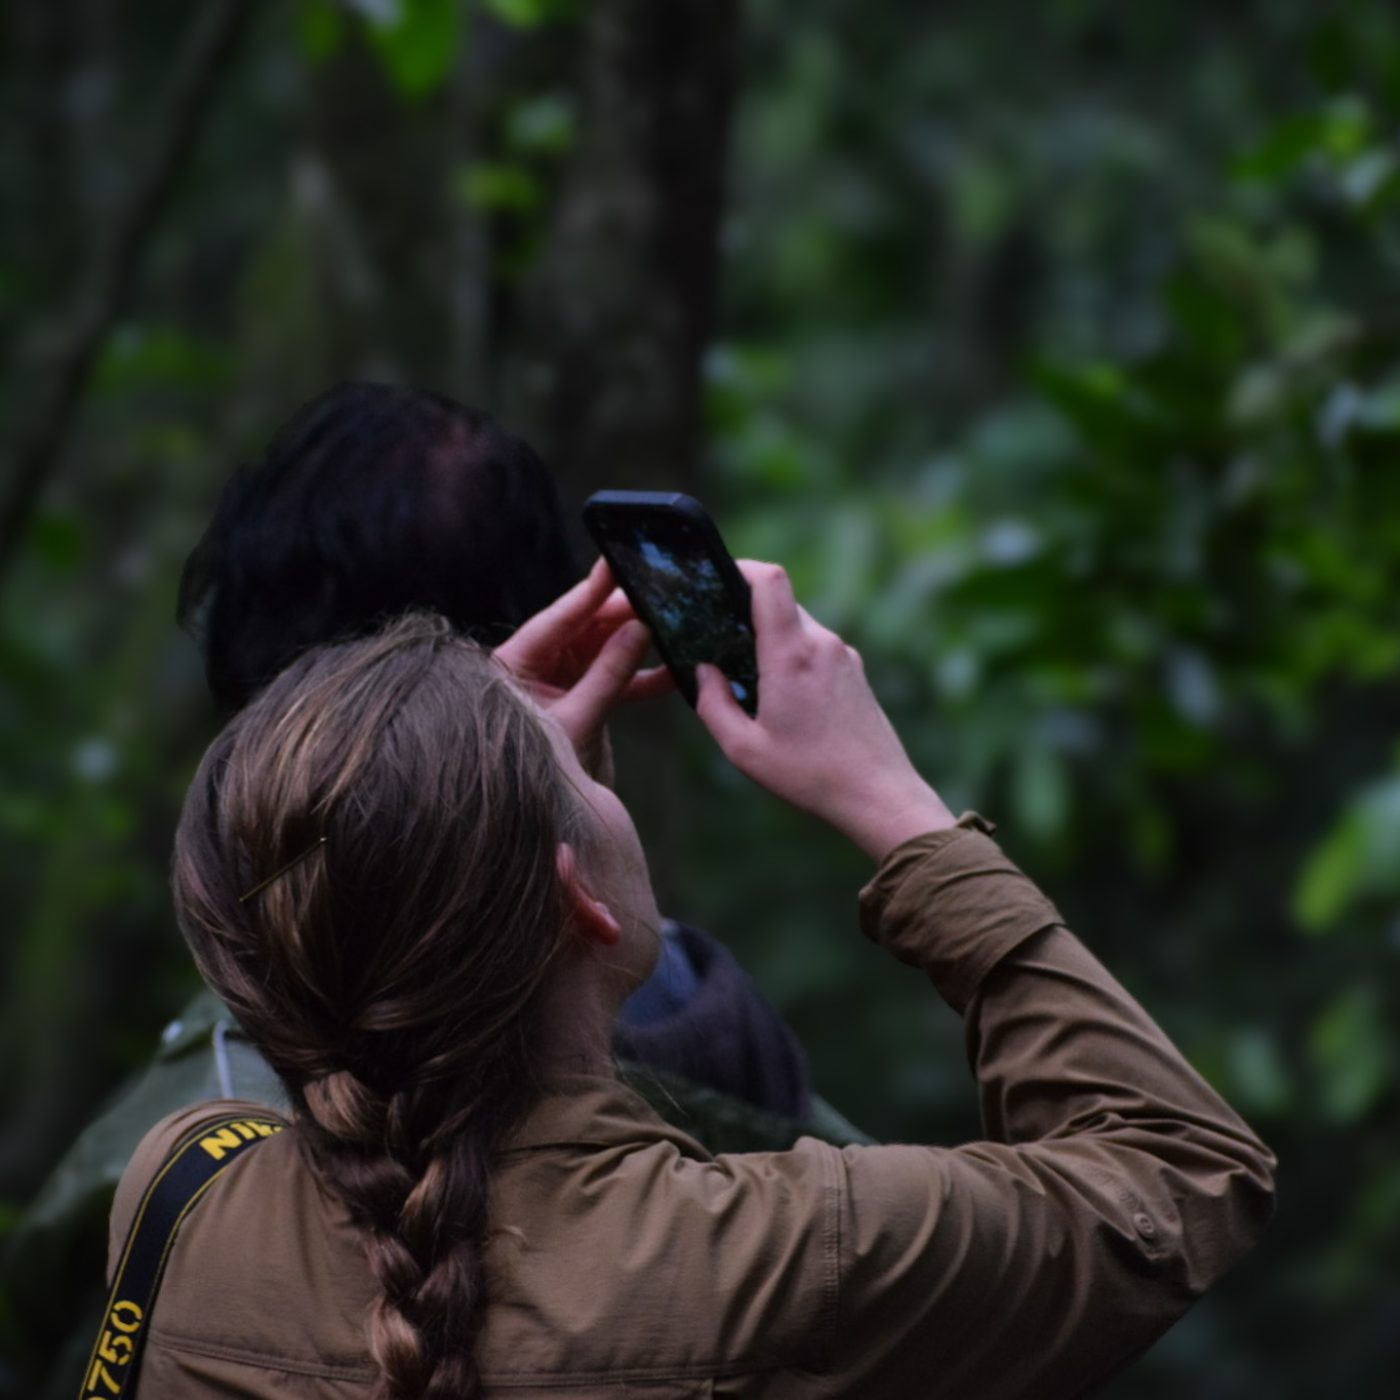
column 604, row 377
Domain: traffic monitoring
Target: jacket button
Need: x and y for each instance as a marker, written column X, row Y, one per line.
column 1144, row 1224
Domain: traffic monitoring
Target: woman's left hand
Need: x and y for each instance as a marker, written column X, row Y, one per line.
column 580, row 657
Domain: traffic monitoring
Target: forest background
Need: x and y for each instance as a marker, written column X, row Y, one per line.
column 1055, row 349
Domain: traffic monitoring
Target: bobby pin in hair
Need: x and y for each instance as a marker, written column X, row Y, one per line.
column 282, row 870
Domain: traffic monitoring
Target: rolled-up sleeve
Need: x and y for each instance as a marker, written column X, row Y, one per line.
column 1114, row 1187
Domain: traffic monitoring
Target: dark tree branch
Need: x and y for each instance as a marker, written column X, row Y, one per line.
column 116, row 260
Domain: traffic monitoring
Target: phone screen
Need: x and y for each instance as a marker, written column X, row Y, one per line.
column 667, row 564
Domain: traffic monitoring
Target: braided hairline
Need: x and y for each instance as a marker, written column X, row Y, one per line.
column 376, row 1183
column 425, row 1218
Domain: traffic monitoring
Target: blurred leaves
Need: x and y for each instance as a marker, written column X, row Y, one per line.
column 530, row 14
column 1099, row 470
column 1353, row 1052
column 543, row 125
column 1068, row 390
column 1259, row 1076
column 499, row 186
column 417, row 39
column 1358, row 860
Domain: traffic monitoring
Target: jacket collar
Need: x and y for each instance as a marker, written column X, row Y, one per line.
column 592, row 1111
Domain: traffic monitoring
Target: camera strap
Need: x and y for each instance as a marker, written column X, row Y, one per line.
column 201, row 1156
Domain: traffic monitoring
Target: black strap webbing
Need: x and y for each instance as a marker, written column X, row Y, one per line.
column 196, row 1162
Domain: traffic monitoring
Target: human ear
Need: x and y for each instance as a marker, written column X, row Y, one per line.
column 588, row 917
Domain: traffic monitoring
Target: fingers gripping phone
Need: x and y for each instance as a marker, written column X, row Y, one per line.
column 668, row 558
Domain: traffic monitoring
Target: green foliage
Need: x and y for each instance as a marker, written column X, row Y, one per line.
column 1358, row 860
column 540, row 126
column 1068, row 389
column 419, row 44
column 1138, row 601
column 487, row 185
column 1352, row 1050
column 416, row 40
column 513, row 188
column 532, row 14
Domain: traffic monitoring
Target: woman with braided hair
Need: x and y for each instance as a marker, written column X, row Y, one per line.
column 395, row 870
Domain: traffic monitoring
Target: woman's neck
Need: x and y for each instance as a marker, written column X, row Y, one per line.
column 580, row 1013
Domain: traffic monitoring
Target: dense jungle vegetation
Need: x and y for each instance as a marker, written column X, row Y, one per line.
column 1055, row 349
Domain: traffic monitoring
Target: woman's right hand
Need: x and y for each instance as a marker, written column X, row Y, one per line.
column 821, row 740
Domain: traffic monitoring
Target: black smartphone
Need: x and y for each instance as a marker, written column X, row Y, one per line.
column 668, row 558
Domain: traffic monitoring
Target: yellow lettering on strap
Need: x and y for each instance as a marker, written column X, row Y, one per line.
column 216, row 1144
column 132, row 1309
column 233, row 1135
column 101, row 1375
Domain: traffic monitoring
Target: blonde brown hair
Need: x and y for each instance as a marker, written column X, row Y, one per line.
column 393, row 973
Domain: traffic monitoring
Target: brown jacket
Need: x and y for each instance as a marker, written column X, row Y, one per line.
column 1113, row 1187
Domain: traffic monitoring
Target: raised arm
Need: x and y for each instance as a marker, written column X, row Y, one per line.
column 1115, row 1184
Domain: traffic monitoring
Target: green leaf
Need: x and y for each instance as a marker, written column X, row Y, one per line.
column 1101, row 400
column 542, row 126
column 1330, row 876
column 1281, row 153
column 141, row 356
column 1346, row 128
column 1359, row 858
column 1350, row 1049
column 418, row 43
column 499, row 185
column 529, row 14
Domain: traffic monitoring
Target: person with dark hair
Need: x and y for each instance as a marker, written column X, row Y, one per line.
column 375, row 500
column 397, row 872
column 370, row 502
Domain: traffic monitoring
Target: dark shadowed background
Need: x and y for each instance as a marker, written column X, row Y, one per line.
column 1054, row 347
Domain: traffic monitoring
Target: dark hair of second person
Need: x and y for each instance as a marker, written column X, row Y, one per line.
column 370, row 502
column 373, row 501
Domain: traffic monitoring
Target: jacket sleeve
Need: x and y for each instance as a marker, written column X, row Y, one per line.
column 1114, row 1186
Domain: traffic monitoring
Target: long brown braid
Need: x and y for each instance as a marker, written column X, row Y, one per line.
column 393, row 977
